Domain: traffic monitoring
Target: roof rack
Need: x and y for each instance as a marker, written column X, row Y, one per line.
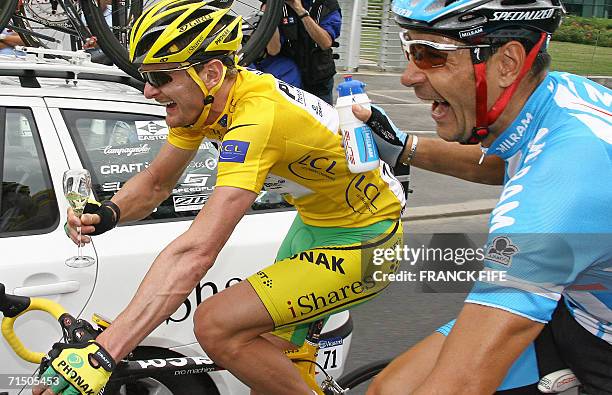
column 69, row 65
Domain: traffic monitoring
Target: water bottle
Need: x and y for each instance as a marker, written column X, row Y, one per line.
column 359, row 145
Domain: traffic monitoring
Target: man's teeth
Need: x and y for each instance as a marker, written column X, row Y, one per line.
column 167, row 103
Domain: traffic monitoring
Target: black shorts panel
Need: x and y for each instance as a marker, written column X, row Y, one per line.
column 587, row 355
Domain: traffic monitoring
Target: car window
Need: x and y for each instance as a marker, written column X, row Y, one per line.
column 116, row 146
column 28, row 204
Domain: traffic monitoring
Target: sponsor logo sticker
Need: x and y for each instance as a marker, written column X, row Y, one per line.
column 471, row 32
column 233, row 151
column 128, row 151
column 314, row 167
column 223, row 121
column 75, row 360
column 151, row 130
column 189, row 202
column 196, row 180
column 361, row 195
column 523, row 15
column 501, row 251
column 331, row 342
column 111, row 186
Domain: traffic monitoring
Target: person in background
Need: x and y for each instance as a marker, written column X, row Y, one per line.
column 8, row 41
column 272, row 62
column 307, row 30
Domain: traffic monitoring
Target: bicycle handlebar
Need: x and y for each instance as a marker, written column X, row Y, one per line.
column 13, row 307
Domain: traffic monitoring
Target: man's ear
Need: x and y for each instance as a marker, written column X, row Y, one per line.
column 212, row 73
column 510, row 60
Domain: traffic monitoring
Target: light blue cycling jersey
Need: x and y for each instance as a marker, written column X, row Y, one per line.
column 551, row 230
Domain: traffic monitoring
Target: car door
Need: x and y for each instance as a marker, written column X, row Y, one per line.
column 117, row 141
column 33, row 244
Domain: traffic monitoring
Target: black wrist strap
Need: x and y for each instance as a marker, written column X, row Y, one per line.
column 115, row 208
column 304, row 15
column 108, row 216
column 379, row 123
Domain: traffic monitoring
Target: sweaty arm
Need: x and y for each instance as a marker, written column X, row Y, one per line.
column 479, row 350
column 146, row 190
column 248, row 151
column 454, row 159
column 177, row 270
column 143, row 192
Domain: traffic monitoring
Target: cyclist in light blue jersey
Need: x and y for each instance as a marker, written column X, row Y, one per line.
column 484, row 64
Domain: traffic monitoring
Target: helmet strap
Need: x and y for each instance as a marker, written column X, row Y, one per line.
column 486, row 118
column 209, row 95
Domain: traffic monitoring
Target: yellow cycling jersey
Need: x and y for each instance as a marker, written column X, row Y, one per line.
column 279, row 138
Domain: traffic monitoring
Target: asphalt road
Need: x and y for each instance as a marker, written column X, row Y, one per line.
column 404, row 314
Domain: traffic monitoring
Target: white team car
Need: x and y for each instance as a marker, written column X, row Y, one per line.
column 60, row 114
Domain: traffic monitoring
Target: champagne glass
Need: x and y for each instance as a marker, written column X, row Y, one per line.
column 77, row 188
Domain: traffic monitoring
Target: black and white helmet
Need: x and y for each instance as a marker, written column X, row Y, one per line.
column 469, row 20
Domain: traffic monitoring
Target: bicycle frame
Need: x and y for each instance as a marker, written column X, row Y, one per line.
column 77, row 331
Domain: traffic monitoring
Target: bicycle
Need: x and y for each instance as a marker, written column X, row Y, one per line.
column 133, row 375
column 86, row 24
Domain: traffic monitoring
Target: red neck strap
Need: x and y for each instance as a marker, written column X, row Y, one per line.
column 485, row 118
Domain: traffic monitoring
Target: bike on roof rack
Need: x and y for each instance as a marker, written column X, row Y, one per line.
column 86, row 24
column 71, row 66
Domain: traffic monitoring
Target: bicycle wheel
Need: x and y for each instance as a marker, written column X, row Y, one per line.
column 7, row 9
column 362, row 374
column 56, row 24
column 114, row 39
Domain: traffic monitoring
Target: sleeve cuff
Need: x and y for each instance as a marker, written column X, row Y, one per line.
column 532, row 306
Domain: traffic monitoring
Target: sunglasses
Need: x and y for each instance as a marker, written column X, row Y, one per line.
column 161, row 77
column 428, row 54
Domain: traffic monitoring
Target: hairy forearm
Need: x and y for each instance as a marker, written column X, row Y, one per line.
column 177, row 270
column 454, row 159
column 317, row 33
column 472, row 364
column 140, row 195
column 170, row 280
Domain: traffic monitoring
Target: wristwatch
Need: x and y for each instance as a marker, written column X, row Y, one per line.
column 304, row 15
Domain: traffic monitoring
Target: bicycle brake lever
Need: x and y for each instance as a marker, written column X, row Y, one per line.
column 331, row 387
column 76, row 330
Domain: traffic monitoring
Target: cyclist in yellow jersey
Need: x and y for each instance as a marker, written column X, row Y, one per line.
column 271, row 135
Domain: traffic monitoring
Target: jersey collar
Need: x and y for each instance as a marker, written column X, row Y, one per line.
column 522, row 129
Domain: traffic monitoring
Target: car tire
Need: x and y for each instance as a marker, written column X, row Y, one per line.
column 167, row 385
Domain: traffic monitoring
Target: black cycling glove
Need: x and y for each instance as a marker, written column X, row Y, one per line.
column 109, row 215
column 390, row 141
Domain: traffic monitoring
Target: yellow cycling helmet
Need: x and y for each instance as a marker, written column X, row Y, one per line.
column 179, row 31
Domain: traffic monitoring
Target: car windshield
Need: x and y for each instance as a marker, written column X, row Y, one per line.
column 115, row 146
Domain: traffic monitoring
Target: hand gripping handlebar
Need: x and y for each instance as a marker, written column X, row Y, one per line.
column 12, row 307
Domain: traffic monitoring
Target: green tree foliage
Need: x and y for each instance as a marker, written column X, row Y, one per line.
column 591, row 31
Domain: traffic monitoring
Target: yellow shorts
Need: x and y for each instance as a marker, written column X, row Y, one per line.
column 314, row 282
